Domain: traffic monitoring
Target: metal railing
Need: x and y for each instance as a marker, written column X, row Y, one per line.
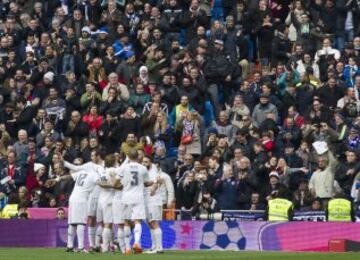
column 244, row 215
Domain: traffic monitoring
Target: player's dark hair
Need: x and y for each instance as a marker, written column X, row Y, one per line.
column 148, row 157
column 97, row 152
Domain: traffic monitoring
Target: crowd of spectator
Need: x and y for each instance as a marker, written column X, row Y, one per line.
column 228, row 96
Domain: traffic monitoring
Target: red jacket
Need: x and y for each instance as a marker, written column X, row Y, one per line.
column 94, row 122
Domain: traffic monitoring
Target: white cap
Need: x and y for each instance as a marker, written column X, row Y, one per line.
column 218, row 41
column 86, row 29
column 274, row 174
column 49, row 75
column 38, row 166
column 29, row 49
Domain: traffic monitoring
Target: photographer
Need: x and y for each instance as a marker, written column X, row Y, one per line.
column 186, row 192
column 205, row 205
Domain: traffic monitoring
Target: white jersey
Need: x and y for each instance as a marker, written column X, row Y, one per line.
column 119, row 176
column 106, row 194
column 134, row 176
column 155, row 199
column 167, row 190
column 89, row 167
column 164, row 193
column 85, row 183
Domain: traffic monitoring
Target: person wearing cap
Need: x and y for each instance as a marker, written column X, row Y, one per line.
column 262, row 109
column 127, row 68
column 275, row 188
column 85, row 39
column 218, row 70
column 279, row 208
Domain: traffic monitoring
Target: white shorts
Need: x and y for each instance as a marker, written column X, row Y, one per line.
column 153, row 213
column 118, row 212
column 77, row 213
column 134, row 211
column 92, row 207
column 104, row 213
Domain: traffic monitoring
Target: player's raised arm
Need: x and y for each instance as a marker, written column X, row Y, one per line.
column 76, row 168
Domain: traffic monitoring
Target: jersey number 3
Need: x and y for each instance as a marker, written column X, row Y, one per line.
column 135, row 179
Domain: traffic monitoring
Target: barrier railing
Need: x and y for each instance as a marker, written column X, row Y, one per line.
column 176, row 214
column 245, row 215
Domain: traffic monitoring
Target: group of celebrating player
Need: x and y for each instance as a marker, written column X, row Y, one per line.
column 106, row 194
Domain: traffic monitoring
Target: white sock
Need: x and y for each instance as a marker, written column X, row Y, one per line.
column 91, row 234
column 106, row 235
column 137, row 233
column 127, row 234
column 111, row 237
column 158, row 239
column 121, row 241
column 99, row 230
column 71, row 236
column 153, row 242
column 80, row 230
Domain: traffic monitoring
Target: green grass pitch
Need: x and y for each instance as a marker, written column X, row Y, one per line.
column 59, row 254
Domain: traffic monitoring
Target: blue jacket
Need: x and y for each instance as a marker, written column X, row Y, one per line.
column 349, row 78
column 121, row 51
column 226, row 193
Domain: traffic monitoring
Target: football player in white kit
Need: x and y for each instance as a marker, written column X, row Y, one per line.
column 96, row 167
column 104, row 213
column 154, row 201
column 84, row 184
column 118, row 207
column 135, row 178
